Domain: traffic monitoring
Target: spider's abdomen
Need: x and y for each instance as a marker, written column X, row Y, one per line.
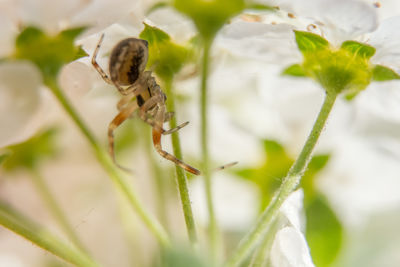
column 128, row 59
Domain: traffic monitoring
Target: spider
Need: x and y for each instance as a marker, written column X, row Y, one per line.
column 140, row 91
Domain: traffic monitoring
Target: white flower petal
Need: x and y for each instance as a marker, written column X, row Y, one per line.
column 236, row 201
column 290, row 249
column 10, row 260
column 292, row 209
column 100, row 14
column 19, row 100
column 339, row 20
column 270, row 43
column 386, row 40
column 178, row 26
column 49, row 15
column 364, row 171
column 77, row 78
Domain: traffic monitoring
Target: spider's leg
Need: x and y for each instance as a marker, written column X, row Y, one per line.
column 124, row 114
column 177, row 128
column 97, row 66
column 228, row 165
column 168, row 116
column 124, row 101
column 149, row 104
column 157, row 145
column 103, row 74
column 157, row 133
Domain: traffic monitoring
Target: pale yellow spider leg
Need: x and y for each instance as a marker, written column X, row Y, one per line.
column 97, row 66
column 157, row 145
column 103, row 73
column 117, row 121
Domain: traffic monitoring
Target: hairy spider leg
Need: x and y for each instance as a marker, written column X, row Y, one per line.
column 123, row 115
column 168, row 116
column 157, row 133
column 159, row 100
column 228, row 165
column 123, row 91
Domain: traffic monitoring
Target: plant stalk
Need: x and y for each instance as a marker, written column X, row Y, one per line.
column 289, row 184
column 180, row 173
column 39, row 236
column 215, row 240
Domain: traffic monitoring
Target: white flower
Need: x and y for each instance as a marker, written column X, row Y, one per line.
column 20, row 101
column 235, row 200
column 289, row 248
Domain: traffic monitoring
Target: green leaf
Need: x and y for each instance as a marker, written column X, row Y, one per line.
column 80, row 53
column 317, row 163
column 294, row 70
column 209, row 15
column 153, row 35
column 72, row 33
column 181, row 257
column 381, row 73
column 30, row 153
column 3, row 157
column 310, row 42
column 28, row 35
column 165, row 56
column 359, row 49
column 324, row 232
column 268, row 176
column 49, row 53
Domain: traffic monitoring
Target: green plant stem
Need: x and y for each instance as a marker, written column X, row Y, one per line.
column 180, row 173
column 215, row 241
column 261, row 256
column 289, row 184
column 54, row 208
column 22, row 226
column 104, row 159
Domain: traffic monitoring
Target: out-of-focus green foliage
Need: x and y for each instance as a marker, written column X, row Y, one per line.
column 166, row 56
column 309, row 42
column 346, row 69
column 317, row 163
column 359, row 49
column 30, row 153
column 49, row 53
column 323, row 231
column 269, row 175
column 128, row 135
column 209, row 15
column 3, row 158
column 181, row 257
column 294, row 70
column 381, row 73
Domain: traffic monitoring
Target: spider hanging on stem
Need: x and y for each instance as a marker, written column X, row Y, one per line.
column 140, row 93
